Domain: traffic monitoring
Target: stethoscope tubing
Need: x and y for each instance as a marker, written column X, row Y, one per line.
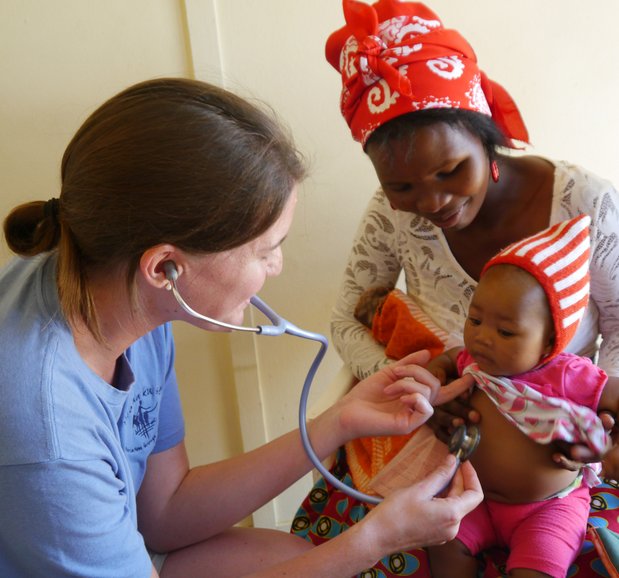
column 279, row 327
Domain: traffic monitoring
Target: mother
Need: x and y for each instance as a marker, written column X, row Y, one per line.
column 438, row 133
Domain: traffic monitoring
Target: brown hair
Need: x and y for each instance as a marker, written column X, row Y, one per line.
column 165, row 161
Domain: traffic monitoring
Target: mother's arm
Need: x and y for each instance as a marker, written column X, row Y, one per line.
column 373, row 262
column 604, row 268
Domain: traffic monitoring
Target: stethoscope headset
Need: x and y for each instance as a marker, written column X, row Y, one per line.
column 462, row 443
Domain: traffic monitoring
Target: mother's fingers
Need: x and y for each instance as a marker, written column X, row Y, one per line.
column 610, row 463
column 608, row 420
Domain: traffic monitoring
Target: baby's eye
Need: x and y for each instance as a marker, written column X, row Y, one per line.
column 473, row 320
column 506, row 333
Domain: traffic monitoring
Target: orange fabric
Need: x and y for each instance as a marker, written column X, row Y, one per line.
column 400, row 333
column 368, row 456
column 395, row 327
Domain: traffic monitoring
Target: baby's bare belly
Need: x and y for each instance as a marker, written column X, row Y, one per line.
column 511, row 466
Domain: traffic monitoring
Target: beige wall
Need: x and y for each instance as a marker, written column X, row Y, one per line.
column 60, row 59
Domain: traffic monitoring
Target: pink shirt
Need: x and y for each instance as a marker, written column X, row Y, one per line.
column 555, row 401
column 567, row 376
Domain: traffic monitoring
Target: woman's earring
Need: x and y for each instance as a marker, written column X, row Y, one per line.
column 494, row 171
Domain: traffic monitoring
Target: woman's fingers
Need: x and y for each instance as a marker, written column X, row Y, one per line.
column 408, row 386
column 454, row 389
column 469, row 475
column 413, row 516
column 464, row 493
column 436, row 481
column 414, row 378
column 421, row 357
column 420, row 410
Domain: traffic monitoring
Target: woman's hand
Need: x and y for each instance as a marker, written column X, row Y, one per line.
column 396, row 400
column 414, row 517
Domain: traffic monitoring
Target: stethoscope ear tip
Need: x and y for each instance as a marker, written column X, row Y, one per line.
column 171, row 272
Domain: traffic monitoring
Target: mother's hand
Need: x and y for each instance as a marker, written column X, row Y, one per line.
column 452, row 414
column 573, row 456
column 395, row 400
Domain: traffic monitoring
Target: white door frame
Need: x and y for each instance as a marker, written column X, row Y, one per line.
column 205, row 50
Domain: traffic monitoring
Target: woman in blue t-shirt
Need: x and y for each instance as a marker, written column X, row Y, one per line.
column 94, row 475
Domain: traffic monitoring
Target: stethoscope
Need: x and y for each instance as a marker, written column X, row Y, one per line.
column 462, row 443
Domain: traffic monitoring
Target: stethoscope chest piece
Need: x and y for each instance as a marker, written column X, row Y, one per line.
column 464, row 442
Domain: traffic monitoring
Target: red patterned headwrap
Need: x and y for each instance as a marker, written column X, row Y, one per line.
column 396, row 57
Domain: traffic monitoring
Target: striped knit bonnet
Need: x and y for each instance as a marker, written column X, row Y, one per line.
column 558, row 258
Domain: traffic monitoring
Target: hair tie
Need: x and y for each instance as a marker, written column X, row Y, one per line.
column 51, row 209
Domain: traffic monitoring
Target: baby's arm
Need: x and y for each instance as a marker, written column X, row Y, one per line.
column 444, row 366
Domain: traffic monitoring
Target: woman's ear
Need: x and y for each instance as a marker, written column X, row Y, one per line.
column 151, row 265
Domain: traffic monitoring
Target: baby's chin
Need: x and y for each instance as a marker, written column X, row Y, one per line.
column 490, row 369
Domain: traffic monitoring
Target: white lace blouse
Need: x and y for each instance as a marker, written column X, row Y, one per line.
column 389, row 242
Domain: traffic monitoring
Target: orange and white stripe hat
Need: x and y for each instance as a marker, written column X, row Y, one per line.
column 558, row 258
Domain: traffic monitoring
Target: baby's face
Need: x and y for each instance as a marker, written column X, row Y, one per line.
column 509, row 328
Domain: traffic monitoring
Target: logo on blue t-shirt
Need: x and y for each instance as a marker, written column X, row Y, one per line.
column 144, row 419
column 141, row 419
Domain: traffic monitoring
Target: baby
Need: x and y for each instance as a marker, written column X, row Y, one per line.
column 531, row 396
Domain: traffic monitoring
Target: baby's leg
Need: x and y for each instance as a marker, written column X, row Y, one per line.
column 456, row 559
column 452, row 560
column 550, row 537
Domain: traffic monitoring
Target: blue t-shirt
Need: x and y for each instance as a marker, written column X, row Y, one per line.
column 73, row 449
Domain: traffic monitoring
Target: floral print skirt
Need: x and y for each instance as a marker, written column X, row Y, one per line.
column 327, row 511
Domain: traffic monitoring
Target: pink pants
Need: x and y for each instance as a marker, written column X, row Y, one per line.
column 544, row 536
